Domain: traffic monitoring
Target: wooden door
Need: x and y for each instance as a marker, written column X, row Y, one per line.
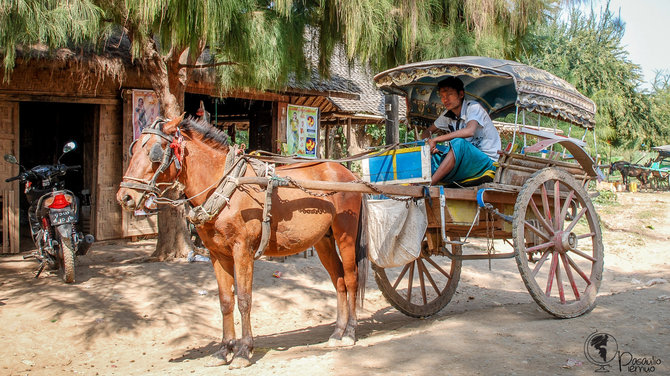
column 9, row 192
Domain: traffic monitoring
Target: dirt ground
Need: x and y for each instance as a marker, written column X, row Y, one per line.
column 124, row 317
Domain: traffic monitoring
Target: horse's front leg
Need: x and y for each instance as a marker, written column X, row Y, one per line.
column 223, row 269
column 244, row 277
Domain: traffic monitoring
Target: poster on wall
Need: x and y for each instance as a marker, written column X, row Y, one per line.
column 145, row 110
column 302, row 130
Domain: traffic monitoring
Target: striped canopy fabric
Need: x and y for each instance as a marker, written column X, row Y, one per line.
column 499, row 85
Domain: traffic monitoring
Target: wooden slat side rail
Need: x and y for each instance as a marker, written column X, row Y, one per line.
column 514, row 169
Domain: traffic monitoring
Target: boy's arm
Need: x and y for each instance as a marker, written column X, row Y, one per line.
column 466, row 132
column 428, row 132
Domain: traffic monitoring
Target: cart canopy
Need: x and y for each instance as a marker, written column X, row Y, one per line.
column 663, row 151
column 499, row 85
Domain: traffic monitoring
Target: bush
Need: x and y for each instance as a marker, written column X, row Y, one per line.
column 606, row 197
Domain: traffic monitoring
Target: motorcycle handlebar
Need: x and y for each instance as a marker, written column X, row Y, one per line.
column 30, row 174
column 63, row 168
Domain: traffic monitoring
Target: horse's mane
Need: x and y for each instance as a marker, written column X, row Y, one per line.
column 207, row 131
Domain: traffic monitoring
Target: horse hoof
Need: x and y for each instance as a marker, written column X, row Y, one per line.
column 239, row 363
column 347, row 341
column 217, row 359
column 214, row 361
column 341, row 342
column 333, row 342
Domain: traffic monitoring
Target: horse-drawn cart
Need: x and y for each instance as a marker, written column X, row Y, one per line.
column 537, row 203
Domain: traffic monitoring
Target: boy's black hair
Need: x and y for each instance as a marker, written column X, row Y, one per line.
column 451, row 82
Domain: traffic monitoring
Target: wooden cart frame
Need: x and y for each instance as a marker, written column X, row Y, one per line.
column 539, row 206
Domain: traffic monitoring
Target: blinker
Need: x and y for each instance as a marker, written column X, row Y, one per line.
column 156, row 153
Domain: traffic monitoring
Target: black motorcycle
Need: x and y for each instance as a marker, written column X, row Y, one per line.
column 53, row 216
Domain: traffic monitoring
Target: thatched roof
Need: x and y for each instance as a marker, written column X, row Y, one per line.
column 349, row 87
column 113, row 61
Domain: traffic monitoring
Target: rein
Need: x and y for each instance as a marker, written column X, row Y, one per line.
column 267, row 156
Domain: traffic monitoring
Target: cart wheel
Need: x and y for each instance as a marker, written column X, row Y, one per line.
column 560, row 256
column 424, row 286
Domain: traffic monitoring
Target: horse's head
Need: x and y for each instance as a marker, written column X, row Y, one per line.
column 614, row 166
column 153, row 163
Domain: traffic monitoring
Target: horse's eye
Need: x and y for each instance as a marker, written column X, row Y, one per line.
column 156, row 153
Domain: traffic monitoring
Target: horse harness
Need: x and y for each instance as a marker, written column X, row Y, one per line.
column 235, row 167
column 172, row 154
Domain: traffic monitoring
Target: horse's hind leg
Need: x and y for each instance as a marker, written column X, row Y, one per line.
column 223, row 269
column 325, row 248
column 345, row 229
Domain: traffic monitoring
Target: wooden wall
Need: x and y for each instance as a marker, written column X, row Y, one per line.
column 9, row 192
column 38, row 80
column 108, row 214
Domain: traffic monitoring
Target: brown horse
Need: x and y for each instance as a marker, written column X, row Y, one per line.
column 299, row 220
column 628, row 170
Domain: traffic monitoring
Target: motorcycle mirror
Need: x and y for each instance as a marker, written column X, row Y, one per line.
column 69, row 147
column 11, row 159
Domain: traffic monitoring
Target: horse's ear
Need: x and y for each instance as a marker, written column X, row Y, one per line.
column 171, row 126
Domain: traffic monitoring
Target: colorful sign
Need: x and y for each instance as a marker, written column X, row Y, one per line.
column 302, row 131
column 145, row 110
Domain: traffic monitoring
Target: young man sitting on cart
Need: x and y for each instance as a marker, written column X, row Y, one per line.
column 472, row 140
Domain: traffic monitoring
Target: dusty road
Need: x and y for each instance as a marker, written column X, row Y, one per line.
column 127, row 318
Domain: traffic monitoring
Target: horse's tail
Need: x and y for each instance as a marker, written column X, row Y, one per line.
column 362, row 250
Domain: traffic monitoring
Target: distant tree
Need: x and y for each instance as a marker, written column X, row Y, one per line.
column 660, row 109
column 586, row 51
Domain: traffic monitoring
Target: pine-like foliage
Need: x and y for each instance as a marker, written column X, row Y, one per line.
column 49, row 23
column 264, row 41
column 586, row 51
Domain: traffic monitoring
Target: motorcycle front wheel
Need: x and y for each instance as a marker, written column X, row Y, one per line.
column 66, row 261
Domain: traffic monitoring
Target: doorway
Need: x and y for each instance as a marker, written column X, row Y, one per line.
column 248, row 122
column 44, row 128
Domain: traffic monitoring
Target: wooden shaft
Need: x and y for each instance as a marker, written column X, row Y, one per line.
column 396, row 190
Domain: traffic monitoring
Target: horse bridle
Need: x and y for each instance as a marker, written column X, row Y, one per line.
column 165, row 156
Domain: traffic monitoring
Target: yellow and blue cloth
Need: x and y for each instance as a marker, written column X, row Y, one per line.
column 472, row 167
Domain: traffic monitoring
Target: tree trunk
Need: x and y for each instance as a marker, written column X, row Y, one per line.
column 174, row 236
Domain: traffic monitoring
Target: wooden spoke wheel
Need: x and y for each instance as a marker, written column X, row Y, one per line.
column 558, row 243
column 424, row 286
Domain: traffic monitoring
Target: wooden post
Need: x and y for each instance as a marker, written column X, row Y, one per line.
column 9, row 143
column 326, row 140
column 391, row 111
column 349, row 139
